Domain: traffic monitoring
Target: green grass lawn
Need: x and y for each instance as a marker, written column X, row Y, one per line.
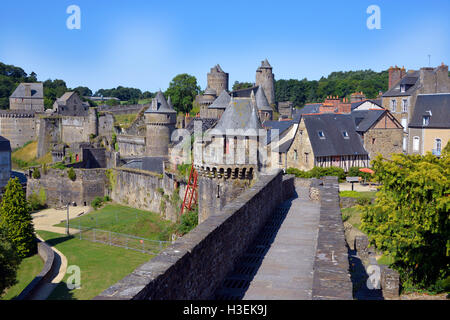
column 125, row 120
column 101, row 265
column 29, row 268
column 357, row 194
column 126, row 220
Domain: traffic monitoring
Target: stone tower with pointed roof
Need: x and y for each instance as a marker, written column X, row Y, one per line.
column 229, row 158
column 160, row 120
column 266, row 79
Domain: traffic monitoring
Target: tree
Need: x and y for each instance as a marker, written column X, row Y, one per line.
column 15, row 218
column 71, row 174
column 112, row 102
column 182, row 90
column 410, row 217
column 83, row 91
column 9, row 262
column 241, row 85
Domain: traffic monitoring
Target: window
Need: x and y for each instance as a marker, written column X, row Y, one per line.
column 321, row 134
column 438, row 145
column 295, row 155
column 393, row 105
column 402, row 88
column 405, row 124
column 426, row 120
column 345, row 134
column 416, row 141
column 306, row 158
column 373, row 140
column 280, row 159
column 405, row 105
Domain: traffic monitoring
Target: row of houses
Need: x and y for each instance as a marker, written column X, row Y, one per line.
column 345, row 134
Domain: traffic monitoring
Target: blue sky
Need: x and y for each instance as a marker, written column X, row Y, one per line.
column 144, row 44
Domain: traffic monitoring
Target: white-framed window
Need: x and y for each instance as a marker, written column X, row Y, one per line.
column 426, row 120
column 345, row 134
column 438, row 144
column 321, row 134
column 394, row 105
column 405, row 105
column 416, row 141
column 402, row 88
column 405, row 124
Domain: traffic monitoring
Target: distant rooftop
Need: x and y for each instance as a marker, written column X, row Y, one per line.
column 36, row 91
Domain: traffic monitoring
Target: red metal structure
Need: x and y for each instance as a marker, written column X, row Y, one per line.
column 190, row 196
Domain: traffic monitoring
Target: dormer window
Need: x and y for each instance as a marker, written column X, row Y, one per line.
column 402, row 88
column 426, row 120
column 345, row 134
column 321, row 134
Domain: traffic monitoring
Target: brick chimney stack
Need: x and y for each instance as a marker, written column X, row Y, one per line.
column 395, row 74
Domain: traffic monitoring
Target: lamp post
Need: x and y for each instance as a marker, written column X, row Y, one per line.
column 67, row 221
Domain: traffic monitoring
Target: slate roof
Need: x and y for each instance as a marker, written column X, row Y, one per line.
column 261, row 100
column 410, row 80
column 243, row 93
column 153, row 164
column 239, row 114
column 265, row 64
column 37, row 91
column 438, row 104
column 334, row 143
column 281, row 126
column 4, row 144
column 221, row 102
column 365, row 119
column 207, row 123
column 159, row 105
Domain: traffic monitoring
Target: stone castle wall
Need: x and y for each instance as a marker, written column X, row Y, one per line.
column 131, row 146
column 18, row 127
column 195, row 265
column 60, row 190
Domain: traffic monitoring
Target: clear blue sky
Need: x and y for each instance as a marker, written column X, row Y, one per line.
column 144, row 44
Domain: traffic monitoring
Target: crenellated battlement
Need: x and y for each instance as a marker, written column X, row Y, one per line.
column 17, row 114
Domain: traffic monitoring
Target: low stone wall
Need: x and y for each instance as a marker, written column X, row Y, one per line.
column 60, row 190
column 288, row 186
column 48, row 256
column 331, row 267
column 194, row 266
column 348, row 202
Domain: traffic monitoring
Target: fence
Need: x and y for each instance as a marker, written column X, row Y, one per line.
column 122, row 240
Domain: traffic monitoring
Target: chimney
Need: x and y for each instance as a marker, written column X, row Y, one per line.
column 395, row 74
column 27, row 89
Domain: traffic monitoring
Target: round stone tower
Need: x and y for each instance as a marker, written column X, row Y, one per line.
column 217, row 80
column 160, row 120
column 266, row 79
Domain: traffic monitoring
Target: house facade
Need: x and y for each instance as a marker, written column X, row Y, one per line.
column 429, row 130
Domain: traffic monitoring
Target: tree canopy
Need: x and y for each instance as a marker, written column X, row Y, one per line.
column 410, row 217
column 182, row 90
column 9, row 262
column 241, row 85
column 16, row 220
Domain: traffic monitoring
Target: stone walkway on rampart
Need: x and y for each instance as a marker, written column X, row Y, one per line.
column 279, row 265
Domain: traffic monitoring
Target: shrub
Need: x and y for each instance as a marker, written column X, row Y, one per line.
column 363, row 201
column 9, row 262
column 71, row 174
column 409, row 219
column 354, row 172
column 97, row 203
column 36, row 174
column 106, row 199
column 298, row 173
column 318, row 172
column 189, row 221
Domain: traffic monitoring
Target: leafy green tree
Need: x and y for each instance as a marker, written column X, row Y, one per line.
column 83, row 91
column 112, row 102
column 410, row 217
column 241, row 85
column 16, row 219
column 71, row 174
column 182, row 90
column 9, row 262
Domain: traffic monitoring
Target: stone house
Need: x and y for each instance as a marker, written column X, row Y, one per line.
column 324, row 140
column 70, row 104
column 380, row 131
column 5, row 161
column 404, row 87
column 429, row 129
column 28, row 96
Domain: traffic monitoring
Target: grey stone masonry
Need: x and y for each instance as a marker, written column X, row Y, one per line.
column 195, row 264
column 331, row 267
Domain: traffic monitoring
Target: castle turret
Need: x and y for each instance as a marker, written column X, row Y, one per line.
column 265, row 79
column 230, row 159
column 217, row 80
column 160, row 120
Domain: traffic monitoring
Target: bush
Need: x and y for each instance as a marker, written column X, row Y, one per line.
column 35, row 202
column 36, row 174
column 318, row 172
column 106, row 199
column 354, row 172
column 298, row 173
column 189, row 221
column 97, row 203
column 71, row 174
column 9, row 262
column 363, row 201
